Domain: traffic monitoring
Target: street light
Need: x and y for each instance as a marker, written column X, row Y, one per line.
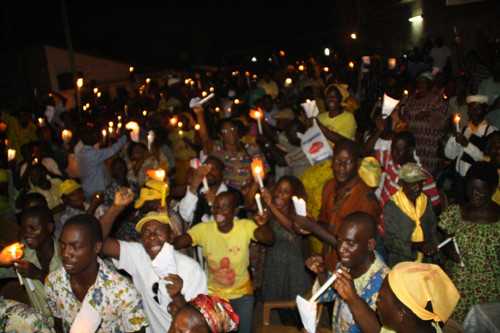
column 254, row 59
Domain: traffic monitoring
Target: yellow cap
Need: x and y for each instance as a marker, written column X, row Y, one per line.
column 68, row 186
column 152, row 190
column 416, row 284
column 152, row 216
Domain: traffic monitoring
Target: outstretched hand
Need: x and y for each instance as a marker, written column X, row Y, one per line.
column 123, row 197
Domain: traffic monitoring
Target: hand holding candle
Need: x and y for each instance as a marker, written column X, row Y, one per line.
column 258, row 171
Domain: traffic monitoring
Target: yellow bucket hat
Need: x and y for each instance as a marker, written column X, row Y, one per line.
column 152, row 190
column 68, row 186
column 152, row 216
column 416, row 284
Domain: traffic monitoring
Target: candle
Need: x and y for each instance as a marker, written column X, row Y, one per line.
column 197, row 127
column 288, row 82
column 405, row 92
column 135, row 130
column 351, row 64
column 151, row 138
column 148, row 80
column 174, row 120
column 104, row 134
column 258, row 170
column 257, row 114
column 11, row 154
column 99, row 94
column 299, row 205
column 119, row 117
column 111, row 124
column 391, row 63
column 156, row 174
column 456, row 120
column 41, row 122
column 119, row 125
column 66, row 135
column 259, row 203
column 181, row 133
column 204, row 94
column 301, row 68
column 180, row 124
column 212, row 89
column 144, row 113
column 16, row 252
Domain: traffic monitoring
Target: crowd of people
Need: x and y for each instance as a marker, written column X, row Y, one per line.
column 176, row 206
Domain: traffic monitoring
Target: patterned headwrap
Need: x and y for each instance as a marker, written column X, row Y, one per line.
column 217, row 312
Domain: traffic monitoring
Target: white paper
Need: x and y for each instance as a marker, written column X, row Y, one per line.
column 307, row 312
column 300, row 206
column 310, row 108
column 199, row 102
column 315, row 145
column 164, row 263
column 87, row 320
column 308, row 308
column 388, row 106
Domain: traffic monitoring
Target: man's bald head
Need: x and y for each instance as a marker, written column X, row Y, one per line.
column 363, row 221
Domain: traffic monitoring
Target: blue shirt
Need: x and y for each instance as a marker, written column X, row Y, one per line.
column 93, row 173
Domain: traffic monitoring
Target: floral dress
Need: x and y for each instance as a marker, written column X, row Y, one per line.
column 479, row 280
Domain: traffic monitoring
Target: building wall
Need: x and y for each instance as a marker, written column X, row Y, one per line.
column 93, row 68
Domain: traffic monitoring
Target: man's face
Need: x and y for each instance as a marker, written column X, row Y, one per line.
column 153, row 235
column 412, row 190
column 353, row 245
column 78, row 251
column 229, row 133
column 224, row 211
column 345, row 166
column 401, row 153
column 332, row 101
column 476, row 112
column 214, row 176
column 35, row 232
column 75, row 199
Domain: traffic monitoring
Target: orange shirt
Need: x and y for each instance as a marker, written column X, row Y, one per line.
column 336, row 205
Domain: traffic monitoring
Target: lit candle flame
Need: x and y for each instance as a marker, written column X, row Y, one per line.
column 66, row 135
column 197, row 127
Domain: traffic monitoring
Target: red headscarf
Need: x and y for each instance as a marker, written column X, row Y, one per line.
column 218, row 313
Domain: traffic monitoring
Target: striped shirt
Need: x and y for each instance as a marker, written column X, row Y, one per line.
column 389, row 180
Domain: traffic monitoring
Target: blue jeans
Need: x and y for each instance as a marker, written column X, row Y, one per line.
column 243, row 306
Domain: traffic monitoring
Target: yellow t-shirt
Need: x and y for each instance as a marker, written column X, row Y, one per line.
column 227, row 255
column 344, row 124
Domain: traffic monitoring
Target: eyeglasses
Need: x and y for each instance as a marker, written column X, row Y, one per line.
column 155, row 289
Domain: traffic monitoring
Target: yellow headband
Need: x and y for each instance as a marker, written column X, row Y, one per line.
column 68, row 186
column 415, row 284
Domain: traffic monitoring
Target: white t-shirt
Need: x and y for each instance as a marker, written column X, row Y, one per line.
column 136, row 262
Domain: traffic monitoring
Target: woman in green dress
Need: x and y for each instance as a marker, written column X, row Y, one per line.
column 476, row 227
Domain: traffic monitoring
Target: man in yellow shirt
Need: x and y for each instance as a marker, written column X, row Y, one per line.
column 225, row 243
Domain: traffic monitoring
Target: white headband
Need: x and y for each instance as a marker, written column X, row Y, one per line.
column 481, row 99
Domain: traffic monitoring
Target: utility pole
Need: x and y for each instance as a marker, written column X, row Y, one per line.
column 71, row 54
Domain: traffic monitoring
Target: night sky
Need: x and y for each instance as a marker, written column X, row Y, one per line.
column 170, row 36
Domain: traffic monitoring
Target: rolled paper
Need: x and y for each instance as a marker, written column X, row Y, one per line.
column 11, row 154
column 456, row 120
column 259, row 203
column 323, row 288
column 443, row 243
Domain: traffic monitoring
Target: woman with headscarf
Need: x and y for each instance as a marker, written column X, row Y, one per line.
column 476, row 227
column 204, row 314
column 425, row 112
column 416, row 297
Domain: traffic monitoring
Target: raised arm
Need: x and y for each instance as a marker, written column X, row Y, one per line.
column 264, row 233
column 105, row 153
column 204, row 137
column 183, row 241
column 111, row 246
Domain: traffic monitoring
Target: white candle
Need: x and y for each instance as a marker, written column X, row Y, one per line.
column 11, row 154
column 151, row 138
column 13, row 253
column 456, row 120
column 205, row 184
column 259, row 203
